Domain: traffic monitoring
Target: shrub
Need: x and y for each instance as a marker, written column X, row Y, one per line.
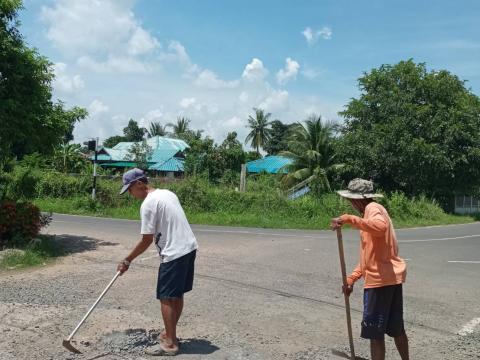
column 21, row 183
column 20, row 222
column 55, row 184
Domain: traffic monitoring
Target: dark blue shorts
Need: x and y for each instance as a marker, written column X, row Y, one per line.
column 175, row 277
column 382, row 312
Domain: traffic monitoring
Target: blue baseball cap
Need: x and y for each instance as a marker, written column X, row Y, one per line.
column 130, row 177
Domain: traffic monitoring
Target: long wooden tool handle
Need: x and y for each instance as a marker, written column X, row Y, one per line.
column 347, row 300
column 94, row 304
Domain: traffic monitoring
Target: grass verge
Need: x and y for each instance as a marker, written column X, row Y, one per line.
column 309, row 217
column 38, row 253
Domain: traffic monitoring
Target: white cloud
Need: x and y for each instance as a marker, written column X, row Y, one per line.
column 96, row 108
column 243, row 97
column 234, row 123
column 308, row 33
column 94, row 26
column 187, row 102
column 141, row 42
column 290, row 71
column 325, row 33
column 254, row 71
column 312, row 36
column 65, row 83
column 311, row 73
column 210, row 80
column 103, row 34
column 275, row 101
column 155, row 115
column 123, row 64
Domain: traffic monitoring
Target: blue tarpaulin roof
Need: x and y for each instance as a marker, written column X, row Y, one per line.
column 269, row 164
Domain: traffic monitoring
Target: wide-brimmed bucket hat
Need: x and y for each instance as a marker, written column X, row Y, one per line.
column 359, row 189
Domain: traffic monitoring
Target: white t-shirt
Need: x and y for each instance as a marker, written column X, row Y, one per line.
column 163, row 216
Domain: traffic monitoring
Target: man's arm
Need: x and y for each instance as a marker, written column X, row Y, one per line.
column 141, row 246
column 374, row 223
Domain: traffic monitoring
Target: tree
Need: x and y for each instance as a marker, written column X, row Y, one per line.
column 140, row 153
column 29, row 120
column 414, row 130
column 68, row 118
column 156, row 129
column 260, row 133
column 311, row 147
column 68, row 158
column 180, row 127
column 278, row 138
column 113, row 140
column 232, row 152
column 133, row 133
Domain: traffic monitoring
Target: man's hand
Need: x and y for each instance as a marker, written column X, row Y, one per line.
column 123, row 266
column 336, row 223
column 347, row 289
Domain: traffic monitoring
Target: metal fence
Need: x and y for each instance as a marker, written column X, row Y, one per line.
column 467, row 205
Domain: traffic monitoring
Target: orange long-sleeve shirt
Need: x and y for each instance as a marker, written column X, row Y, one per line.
column 379, row 263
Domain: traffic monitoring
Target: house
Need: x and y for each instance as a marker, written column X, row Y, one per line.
column 269, row 164
column 167, row 158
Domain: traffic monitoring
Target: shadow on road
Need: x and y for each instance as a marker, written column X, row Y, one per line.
column 197, row 346
column 72, row 244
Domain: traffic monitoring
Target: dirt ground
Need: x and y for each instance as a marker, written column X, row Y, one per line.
column 242, row 306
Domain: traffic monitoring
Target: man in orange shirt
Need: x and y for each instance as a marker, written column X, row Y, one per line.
column 380, row 266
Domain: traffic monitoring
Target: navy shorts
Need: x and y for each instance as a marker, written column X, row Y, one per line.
column 176, row 277
column 382, row 312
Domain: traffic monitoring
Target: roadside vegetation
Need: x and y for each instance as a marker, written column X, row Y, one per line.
column 412, row 130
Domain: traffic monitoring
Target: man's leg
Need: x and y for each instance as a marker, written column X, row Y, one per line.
column 401, row 342
column 169, row 314
column 377, row 349
column 179, row 307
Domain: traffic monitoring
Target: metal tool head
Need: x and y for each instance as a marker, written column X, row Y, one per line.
column 68, row 345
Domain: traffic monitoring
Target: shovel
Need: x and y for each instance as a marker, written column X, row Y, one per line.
column 347, row 300
column 66, row 342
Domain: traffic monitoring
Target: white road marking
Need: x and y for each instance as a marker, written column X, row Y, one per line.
column 263, row 233
column 440, row 239
column 464, row 261
column 469, row 327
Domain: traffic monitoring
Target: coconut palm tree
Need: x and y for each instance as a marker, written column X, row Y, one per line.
column 311, row 149
column 260, row 132
column 181, row 127
column 156, row 129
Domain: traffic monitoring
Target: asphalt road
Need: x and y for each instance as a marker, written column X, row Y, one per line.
column 268, row 294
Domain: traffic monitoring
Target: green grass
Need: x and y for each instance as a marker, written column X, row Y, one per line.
column 303, row 214
column 33, row 255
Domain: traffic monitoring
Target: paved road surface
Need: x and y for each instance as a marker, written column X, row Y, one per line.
column 259, row 294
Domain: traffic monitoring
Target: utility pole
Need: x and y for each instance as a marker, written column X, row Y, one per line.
column 93, row 146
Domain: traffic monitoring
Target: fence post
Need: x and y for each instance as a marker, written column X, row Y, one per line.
column 243, row 174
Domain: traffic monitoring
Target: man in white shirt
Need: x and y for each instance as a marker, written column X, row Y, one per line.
column 164, row 223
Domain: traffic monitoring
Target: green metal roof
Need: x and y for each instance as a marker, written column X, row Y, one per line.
column 173, row 164
column 119, row 164
column 163, row 149
column 269, row 164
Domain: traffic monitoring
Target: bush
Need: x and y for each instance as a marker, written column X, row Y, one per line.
column 59, row 185
column 193, row 193
column 19, row 223
column 22, row 182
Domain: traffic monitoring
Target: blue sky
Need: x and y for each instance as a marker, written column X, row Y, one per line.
column 213, row 61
